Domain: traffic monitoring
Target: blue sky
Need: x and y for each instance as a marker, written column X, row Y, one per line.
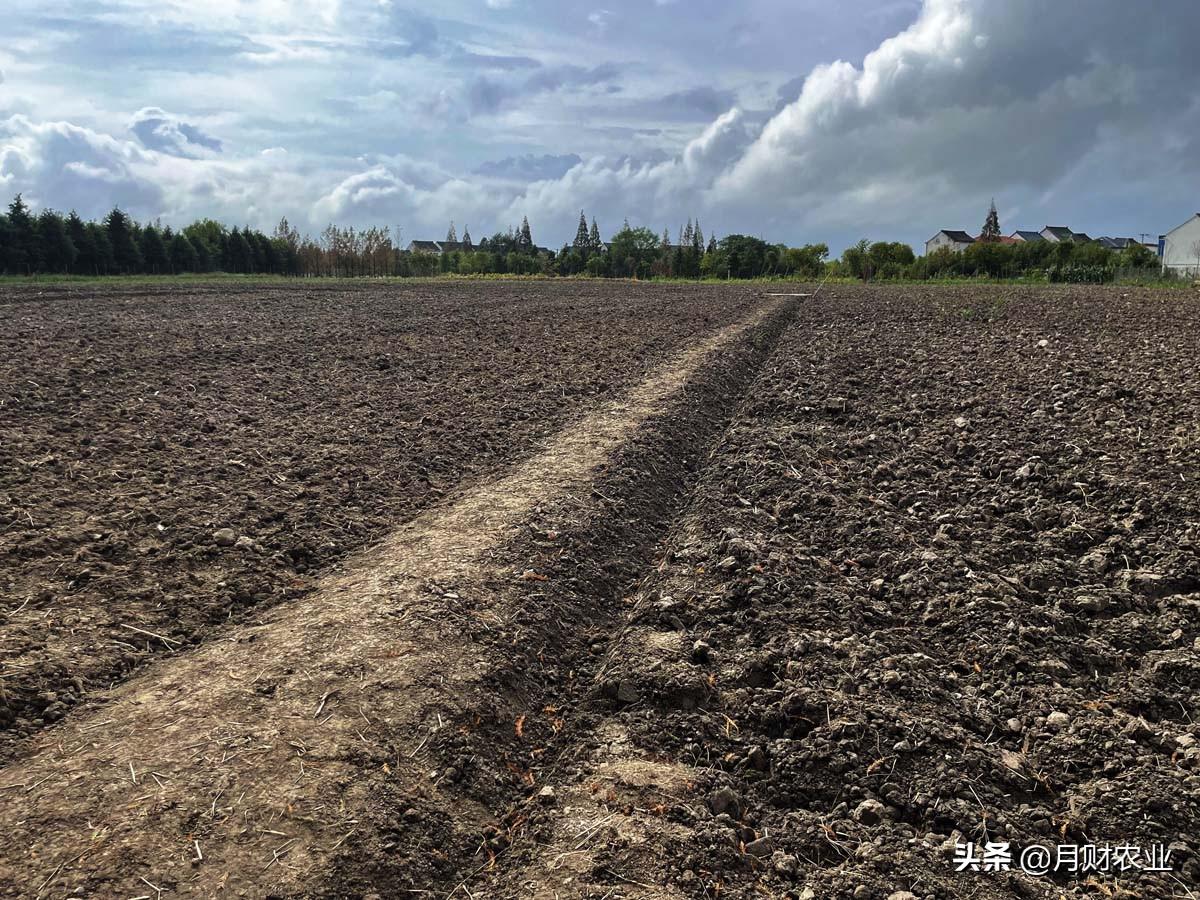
column 799, row 121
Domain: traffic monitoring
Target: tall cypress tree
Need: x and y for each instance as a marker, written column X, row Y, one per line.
column 451, row 236
column 582, row 241
column 594, row 241
column 991, row 227
column 526, row 240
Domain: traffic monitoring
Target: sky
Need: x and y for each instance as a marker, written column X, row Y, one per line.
column 799, row 122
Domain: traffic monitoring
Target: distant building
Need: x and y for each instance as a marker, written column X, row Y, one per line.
column 1179, row 248
column 1113, row 243
column 440, row 248
column 955, row 240
column 1026, row 237
column 437, row 248
column 1057, row 234
column 424, row 247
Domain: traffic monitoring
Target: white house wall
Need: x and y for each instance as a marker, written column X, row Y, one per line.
column 1182, row 249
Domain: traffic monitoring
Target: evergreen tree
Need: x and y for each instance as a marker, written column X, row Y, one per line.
column 57, row 251
column 582, row 240
column 154, row 252
column 6, row 245
column 698, row 240
column 241, row 256
column 204, row 258
column 260, row 250
column 452, row 235
column 23, row 247
column 287, row 243
column 85, row 247
column 265, row 257
column 991, row 227
column 97, row 236
column 127, row 258
column 712, row 244
column 182, row 254
column 467, row 237
column 594, row 242
column 526, row 239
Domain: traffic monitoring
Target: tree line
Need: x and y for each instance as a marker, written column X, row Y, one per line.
column 1066, row 261
column 49, row 242
column 992, row 256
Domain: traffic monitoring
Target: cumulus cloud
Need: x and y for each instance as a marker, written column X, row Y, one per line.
column 67, row 166
column 974, row 95
column 60, row 164
column 159, row 130
column 1036, row 104
column 380, row 195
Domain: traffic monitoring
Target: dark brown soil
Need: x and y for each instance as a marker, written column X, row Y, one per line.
column 939, row 583
column 134, row 427
column 899, row 569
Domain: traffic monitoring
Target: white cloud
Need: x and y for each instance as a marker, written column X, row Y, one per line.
column 387, row 117
column 66, row 166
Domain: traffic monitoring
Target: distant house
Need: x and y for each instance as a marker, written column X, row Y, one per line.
column 424, row 247
column 1179, row 248
column 1057, row 234
column 438, row 248
column 1113, row 243
column 1026, row 237
column 955, row 240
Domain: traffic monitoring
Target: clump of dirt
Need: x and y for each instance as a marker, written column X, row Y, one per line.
column 173, row 460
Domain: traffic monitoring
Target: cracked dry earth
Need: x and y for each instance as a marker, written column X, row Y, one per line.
column 793, row 595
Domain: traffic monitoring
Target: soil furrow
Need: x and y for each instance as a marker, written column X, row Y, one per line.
column 241, row 765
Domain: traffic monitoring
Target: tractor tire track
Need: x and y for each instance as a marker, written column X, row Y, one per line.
column 243, row 765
